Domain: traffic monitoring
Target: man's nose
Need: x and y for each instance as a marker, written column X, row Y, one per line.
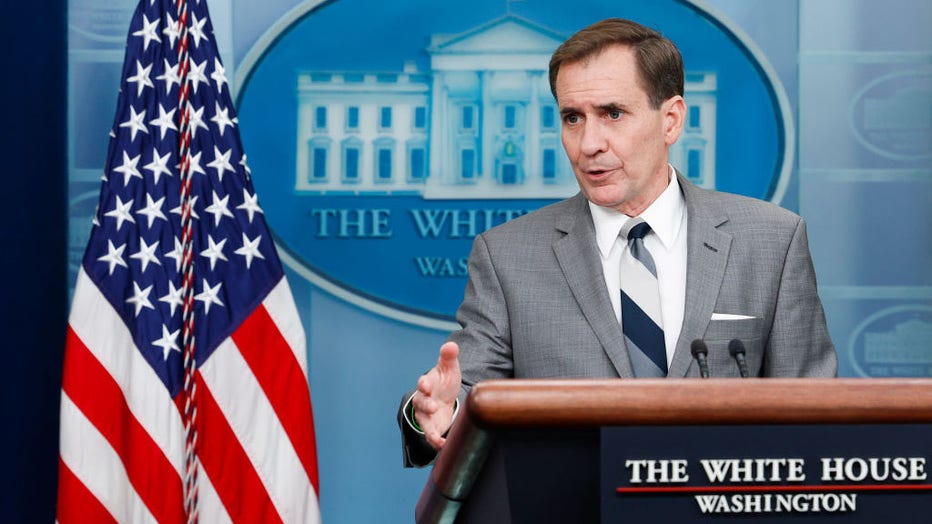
column 593, row 139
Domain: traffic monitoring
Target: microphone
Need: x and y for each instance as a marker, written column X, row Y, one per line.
column 736, row 348
column 700, row 351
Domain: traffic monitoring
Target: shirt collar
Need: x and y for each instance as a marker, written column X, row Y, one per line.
column 664, row 215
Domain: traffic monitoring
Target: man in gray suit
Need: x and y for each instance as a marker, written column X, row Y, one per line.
column 543, row 296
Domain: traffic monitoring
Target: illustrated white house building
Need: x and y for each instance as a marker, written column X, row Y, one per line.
column 480, row 124
column 694, row 152
column 906, row 343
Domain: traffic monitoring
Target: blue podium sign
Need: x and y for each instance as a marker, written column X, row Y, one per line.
column 781, row 473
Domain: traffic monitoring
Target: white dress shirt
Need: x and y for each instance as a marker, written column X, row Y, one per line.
column 667, row 245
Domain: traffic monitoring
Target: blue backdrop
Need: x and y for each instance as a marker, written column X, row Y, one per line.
column 857, row 76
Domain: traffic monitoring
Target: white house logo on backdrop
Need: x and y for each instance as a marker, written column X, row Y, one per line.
column 100, row 21
column 893, row 342
column 379, row 159
column 892, row 115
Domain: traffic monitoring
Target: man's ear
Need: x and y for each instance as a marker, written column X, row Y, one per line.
column 674, row 117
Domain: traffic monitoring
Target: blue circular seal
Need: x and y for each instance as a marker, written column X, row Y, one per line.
column 893, row 342
column 890, row 115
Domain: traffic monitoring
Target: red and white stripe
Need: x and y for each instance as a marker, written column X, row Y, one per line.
column 122, row 436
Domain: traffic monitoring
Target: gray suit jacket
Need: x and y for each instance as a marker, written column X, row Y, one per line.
column 536, row 304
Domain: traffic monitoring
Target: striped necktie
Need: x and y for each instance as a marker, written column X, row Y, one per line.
column 641, row 320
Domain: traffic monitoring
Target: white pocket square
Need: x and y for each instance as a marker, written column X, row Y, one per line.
column 729, row 316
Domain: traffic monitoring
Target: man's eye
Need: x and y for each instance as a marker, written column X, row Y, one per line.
column 614, row 115
column 571, row 119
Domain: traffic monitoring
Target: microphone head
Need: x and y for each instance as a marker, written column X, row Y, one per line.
column 698, row 347
column 736, row 347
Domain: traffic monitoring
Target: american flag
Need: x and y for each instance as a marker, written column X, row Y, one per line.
column 181, row 262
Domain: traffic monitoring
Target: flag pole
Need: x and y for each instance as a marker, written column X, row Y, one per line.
column 187, row 270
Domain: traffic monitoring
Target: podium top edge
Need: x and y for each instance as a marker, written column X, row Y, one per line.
column 516, row 403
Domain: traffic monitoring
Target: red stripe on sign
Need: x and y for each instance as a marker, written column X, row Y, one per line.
column 75, row 502
column 776, row 488
column 101, row 400
column 225, row 461
column 279, row 374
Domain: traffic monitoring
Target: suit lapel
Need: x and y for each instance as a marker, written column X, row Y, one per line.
column 578, row 257
column 707, row 254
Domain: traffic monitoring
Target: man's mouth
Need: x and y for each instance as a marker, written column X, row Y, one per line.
column 598, row 172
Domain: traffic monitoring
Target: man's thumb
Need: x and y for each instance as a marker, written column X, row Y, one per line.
column 449, row 357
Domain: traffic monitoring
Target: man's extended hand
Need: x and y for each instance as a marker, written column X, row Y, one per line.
column 436, row 395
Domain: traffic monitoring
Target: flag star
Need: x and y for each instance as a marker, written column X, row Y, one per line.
column 141, row 78
column 152, row 210
column 146, row 254
column 196, row 120
column 148, row 31
column 250, row 204
column 165, row 121
column 221, row 118
column 168, row 342
column 250, row 249
column 194, row 164
column 129, row 168
column 222, row 163
column 173, row 297
column 121, row 212
column 214, row 251
column 243, row 163
column 194, row 214
column 177, row 254
column 135, row 122
column 196, row 74
column 140, row 298
column 170, row 76
column 114, row 256
column 159, row 165
column 196, row 30
column 219, row 208
column 219, row 75
column 171, row 30
column 209, row 295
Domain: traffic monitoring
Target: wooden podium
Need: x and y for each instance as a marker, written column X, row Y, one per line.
column 518, row 445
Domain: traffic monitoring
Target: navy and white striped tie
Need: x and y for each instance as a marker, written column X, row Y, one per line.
column 641, row 320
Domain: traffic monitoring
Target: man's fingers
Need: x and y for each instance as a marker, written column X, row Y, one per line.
column 435, row 440
column 424, row 404
column 425, row 416
column 436, row 393
column 449, row 358
column 425, row 384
